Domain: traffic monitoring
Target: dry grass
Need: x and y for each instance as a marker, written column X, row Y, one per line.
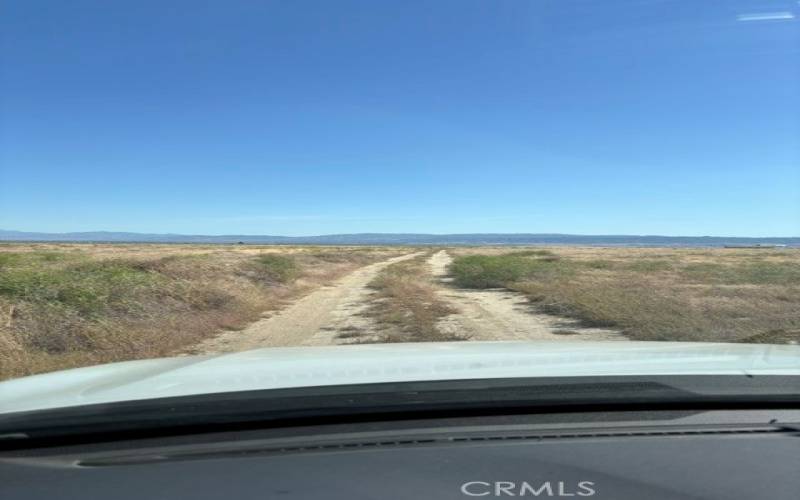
column 69, row 305
column 406, row 304
column 721, row 295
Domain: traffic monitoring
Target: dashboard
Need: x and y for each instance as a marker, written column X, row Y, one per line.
column 742, row 454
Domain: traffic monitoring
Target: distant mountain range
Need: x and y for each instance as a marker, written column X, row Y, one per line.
column 402, row 239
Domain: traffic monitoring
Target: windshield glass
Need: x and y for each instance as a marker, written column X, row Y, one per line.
column 183, row 179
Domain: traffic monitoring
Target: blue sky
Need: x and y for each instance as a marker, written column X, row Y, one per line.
column 297, row 117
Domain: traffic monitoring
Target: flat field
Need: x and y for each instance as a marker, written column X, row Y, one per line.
column 70, row 305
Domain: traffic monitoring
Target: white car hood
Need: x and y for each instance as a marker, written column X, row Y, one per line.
column 340, row 365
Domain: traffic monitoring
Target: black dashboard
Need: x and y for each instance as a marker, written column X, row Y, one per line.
column 741, row 454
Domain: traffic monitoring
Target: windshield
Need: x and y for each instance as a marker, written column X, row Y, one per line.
column 612, row 185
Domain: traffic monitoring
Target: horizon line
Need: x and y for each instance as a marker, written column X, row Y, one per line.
column 168, row 234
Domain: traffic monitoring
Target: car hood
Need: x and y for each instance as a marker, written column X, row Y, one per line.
column 342, row 365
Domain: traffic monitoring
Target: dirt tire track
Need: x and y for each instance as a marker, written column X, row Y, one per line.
column 314, row 319
column 500, row 314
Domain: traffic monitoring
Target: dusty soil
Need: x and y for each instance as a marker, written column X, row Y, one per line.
column 499, row 314
column 332, row 314
column 316, row 319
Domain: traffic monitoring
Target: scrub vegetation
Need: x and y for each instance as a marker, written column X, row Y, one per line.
column 71, row 305
column 406, row 305
column 65, row 306
column 722, row 295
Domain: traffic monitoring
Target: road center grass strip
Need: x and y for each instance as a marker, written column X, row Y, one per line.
column 406, row 305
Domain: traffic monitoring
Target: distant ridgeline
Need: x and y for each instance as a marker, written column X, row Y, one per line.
column 412, row 239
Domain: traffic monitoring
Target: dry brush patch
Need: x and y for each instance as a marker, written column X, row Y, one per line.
column 406, row 306
column 721, row 295
column 78, row 305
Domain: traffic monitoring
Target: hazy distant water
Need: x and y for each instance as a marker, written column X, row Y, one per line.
column 636, row 241
column 409, row 239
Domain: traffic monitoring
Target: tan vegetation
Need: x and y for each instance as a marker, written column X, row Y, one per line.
column 69, row 305
column 500, row 314
column 316, row 319
column 406, row 305
column 719, row 295
column 65, row 306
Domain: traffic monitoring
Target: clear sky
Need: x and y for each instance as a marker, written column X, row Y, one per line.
column 311, row 117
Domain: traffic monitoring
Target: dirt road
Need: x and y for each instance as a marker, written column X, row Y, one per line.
column 330, row 313
column 315, row 319
column 500, row 314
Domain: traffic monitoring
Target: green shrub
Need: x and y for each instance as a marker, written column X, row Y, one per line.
column 276, row 268
column 493, row 271
column 18, row 259
column 89, row 288
column 531, row 253
column 753, row 273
